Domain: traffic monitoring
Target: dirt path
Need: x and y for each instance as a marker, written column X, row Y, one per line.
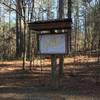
column 16, row 84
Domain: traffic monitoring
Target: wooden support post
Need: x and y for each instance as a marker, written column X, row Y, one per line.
column 61, row 66
column 53, row 64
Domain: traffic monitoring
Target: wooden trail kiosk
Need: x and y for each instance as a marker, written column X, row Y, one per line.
column 55, row 42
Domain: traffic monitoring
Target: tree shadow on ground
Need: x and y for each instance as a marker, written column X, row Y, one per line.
column 30, row 81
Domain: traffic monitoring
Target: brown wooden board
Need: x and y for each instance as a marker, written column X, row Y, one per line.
column 50, row 25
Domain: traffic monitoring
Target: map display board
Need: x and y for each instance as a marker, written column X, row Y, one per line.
column 51, row 44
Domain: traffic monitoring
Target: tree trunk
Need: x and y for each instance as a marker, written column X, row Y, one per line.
column 17, row 31
column 61, row 58
column 19, row 34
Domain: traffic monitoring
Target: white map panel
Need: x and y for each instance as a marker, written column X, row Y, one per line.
column 52, row 44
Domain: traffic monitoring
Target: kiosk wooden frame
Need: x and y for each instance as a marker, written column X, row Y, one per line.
column 51, row 26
